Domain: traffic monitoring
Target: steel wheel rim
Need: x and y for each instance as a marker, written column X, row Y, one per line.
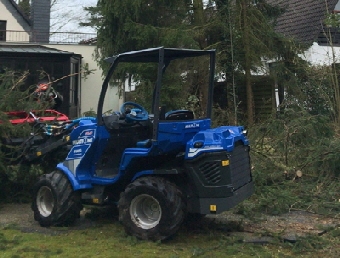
column 145, row 211
column 45, row 201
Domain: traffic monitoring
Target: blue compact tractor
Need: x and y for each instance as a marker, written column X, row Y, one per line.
column 158, row 167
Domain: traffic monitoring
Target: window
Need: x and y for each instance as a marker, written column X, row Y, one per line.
column 74, row 84
column 3, row 30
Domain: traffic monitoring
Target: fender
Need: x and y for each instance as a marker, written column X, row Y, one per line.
column 75, row 182
column 142, row 173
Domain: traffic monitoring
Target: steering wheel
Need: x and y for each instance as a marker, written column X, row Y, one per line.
column 136, row 114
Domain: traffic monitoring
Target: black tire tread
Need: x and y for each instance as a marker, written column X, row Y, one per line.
column 67, row 202
column 174, row 210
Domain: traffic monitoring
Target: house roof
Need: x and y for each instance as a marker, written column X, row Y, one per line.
column 17, row 13
column 303, row 19
column 31, row 49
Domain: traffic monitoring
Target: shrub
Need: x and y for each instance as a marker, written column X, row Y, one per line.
column 15, row 180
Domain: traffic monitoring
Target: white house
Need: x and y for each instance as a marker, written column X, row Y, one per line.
column 303, row 21
column 27, row 44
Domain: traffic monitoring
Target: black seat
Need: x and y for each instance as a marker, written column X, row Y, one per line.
column 179, row 115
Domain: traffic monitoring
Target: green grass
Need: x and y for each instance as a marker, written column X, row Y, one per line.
column 207, row 240
column 106, row 237
column 110, row 241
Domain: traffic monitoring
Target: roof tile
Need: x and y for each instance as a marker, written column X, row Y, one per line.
column 303, row 19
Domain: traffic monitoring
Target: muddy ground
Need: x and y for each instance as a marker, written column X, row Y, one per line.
column 289, row 226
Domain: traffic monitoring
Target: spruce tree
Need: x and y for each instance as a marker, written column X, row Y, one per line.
column 241, row 31
column 254, row 41
column 25, row 7
column 133, row 25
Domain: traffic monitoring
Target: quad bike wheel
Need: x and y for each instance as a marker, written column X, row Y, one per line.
column 54, row 201
column 151, row 208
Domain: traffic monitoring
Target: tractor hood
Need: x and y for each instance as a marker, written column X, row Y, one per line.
column 218, row 139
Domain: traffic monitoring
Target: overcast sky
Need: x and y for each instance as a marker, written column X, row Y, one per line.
column 66, row 15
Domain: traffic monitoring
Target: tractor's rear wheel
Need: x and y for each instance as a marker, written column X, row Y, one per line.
column 54, row 201
column 151, row 208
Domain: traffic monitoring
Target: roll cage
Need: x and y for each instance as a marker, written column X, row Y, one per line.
column 162, row 56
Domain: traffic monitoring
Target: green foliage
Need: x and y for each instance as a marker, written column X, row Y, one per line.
column 295, row 162
column 303, row 138
column 241, row 31
column 256, row 28
column 131, row 25
column 180, row 90
column 309, row 88
column 243, row 34
column 25, row 7
column 296, row 134
column 332, row 20
column 90, row 113
column 15, row 181
column 14, row 97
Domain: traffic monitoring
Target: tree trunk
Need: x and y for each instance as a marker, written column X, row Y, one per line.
column 199, row 21
column 247, row 64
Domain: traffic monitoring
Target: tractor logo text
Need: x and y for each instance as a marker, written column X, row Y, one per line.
column 88, row 133
column 194, row 125
column 77, row 152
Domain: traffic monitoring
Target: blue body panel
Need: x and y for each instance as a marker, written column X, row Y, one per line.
column 217, row 139
column 89, row 141
column 173, row 136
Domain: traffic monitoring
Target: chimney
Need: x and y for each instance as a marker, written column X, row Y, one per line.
column 40, row 16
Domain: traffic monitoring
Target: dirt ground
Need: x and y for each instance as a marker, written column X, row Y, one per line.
column 290, row 226
column 21, row 216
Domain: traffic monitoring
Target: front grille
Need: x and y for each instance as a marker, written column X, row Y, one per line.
column 211, row 171
column 240, row 166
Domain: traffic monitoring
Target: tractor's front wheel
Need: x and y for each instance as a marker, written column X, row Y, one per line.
column 54, row 201
column 151, row 208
